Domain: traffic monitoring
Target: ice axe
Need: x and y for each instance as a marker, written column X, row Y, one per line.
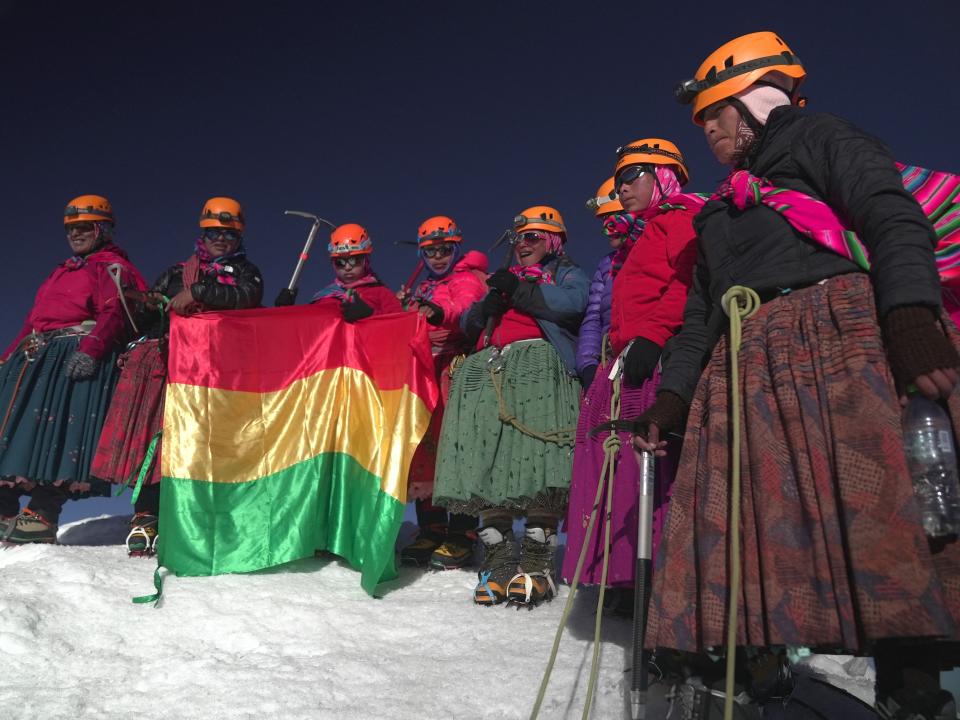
column 639, row 678
column 288, row 295
column 510, row 238
column 418, row 268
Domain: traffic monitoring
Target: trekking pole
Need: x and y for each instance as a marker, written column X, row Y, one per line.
column 288, row 295
column 509, row 237
column 641, row 597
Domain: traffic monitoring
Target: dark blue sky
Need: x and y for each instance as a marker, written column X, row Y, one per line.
column 385, row 114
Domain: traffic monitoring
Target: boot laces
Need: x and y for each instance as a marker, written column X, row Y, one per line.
column 498, row 554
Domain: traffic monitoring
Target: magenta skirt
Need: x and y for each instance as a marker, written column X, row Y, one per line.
column 587, row 464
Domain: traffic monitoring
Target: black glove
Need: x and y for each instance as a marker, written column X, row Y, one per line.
column 586, row 376
column 355, row 309
column 504, row 281
column 668, row 412
column 494, row 305
column 437, row 317
column 641, row 361
column 81, row 366
column 286, row 297
column 915, row 344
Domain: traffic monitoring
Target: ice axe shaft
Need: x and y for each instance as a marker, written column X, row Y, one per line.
column 641, row 599
column 509, row 237
column 292, row 286
column 417, row 269
column 414, row 275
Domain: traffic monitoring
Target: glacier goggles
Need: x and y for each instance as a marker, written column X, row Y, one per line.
column 439, row 250
column 630, row 175
column 350, row 261
column 530, row 238
column 225, row 233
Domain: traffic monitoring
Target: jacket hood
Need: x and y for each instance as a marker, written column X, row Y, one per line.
column 473, row 260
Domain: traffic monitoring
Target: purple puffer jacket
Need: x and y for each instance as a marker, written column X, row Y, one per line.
column 596, row 321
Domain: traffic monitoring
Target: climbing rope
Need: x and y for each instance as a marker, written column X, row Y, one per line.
column 611, row 447
column 564, row 436
column 739, row 303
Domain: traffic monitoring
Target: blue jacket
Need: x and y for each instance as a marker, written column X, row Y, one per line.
column 558, row 309
column 596, row 322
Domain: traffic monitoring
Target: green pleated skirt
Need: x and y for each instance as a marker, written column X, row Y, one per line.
column 484, row 460
column 53, row 423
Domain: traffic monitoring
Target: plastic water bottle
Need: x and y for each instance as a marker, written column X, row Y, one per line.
column 932, row 459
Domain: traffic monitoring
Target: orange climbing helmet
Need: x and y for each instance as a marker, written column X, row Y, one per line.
column 349, row 239
column 737, row 65
column 652, row 151
column 88, row 208
column 607, row 201
column 222, row 212
column 438, row 229
column 539, row 217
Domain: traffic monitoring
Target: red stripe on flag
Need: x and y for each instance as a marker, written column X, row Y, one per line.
column 267, row 349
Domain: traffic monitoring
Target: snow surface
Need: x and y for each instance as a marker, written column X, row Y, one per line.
column 298, row 641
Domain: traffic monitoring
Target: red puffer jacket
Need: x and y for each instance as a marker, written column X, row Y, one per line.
column 650, row 291
column 454, row 294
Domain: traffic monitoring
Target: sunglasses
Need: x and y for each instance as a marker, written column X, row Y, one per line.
column 438, row 251
column 530, row 238
column 80, row 228
column 348, row 262
column 217, row 233
column 630, row 175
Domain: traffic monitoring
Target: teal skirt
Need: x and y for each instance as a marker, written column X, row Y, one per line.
column 53, row 423
column 513, row 449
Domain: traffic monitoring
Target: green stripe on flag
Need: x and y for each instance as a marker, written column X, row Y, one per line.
column 329, row 502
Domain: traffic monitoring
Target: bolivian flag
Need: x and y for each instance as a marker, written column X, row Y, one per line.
column 287, row 431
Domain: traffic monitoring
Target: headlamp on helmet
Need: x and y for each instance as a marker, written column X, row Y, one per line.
column 607, row 200
column 686, row 91
column 88, row 208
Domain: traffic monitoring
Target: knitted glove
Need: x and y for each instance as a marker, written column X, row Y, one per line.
column 915, row 344
column 668, row 412
column 586, row 376
column 437, row 317
column 494, row 305
column 81, row 366
column 504, row 281
column 355, row 309
column 641, row 360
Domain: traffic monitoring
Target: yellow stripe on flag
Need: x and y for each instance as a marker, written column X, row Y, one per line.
column 230, row 436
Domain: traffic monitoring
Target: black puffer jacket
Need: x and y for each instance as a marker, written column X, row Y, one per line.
column 246, row 293
column 830, row 159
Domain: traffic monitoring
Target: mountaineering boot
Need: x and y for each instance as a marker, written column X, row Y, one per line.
column 420, row 550
column 30, row 527
column 533, row 583
column 142, row 538
column 497, row 567
column 456, row 552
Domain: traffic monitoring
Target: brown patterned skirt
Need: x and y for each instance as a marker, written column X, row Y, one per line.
column 135, row 416
column 833, row 553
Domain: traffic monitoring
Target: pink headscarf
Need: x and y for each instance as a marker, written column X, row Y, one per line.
column 667, row 185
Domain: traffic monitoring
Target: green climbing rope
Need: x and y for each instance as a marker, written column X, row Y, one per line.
column 611, row 447
column 739, row 303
